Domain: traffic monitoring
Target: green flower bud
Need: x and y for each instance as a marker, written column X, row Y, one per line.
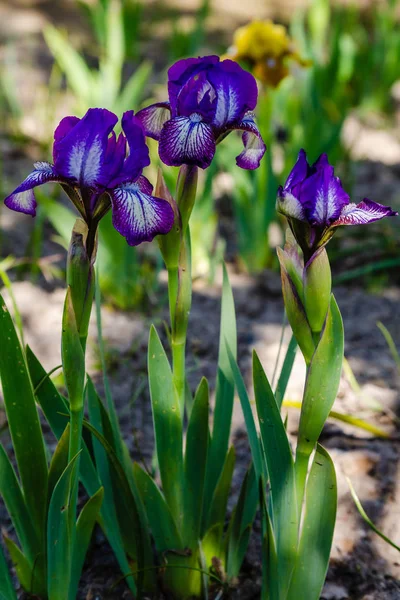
column 317, row 286
column 295, row 310
column 80, row 277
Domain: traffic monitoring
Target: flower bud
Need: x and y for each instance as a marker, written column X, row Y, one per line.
column 295, row 311
column 317, row 285
column 80, row 277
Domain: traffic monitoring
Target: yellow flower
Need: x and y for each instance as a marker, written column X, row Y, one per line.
column 266, row 47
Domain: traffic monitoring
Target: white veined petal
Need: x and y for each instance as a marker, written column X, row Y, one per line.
column 138, row 216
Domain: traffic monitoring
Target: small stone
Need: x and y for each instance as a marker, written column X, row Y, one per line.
column 332, row 591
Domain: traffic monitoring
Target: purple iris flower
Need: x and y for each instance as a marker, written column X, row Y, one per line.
column 207, row 100
column 315, row 203
column 93, row 167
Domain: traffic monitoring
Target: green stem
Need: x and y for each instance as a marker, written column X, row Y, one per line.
column 173, row 284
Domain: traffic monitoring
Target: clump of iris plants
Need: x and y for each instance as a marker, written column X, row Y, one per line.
column 173, row 538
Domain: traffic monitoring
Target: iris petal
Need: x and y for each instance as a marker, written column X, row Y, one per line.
column 365, row 212
column 254, row 147
column 80, row 154
column 299, row 172
column 183, row 70
column 153, row 118
column 323, row 197
column 64, row 127
column 236, row 92
column 138, row 151
column 187, row 140
column 137, row 215
column 290, row 206
column 23, row 199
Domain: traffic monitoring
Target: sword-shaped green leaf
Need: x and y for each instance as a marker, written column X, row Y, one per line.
column 24, row 569
column 317, row 529
column 217, row 509
column 11, row 493
column 322, row 381
column 84, row 530
column 195, row 466
column 225, row 388
column 161, row 522
column 281, row 474
column 7, row 591
column 23, row 420
column 167, row 425
column 56, row 412
column 59, row 536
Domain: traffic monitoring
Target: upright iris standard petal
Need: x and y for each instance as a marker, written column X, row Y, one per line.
column 323, row 194
column 314, row 202
column 80, row 154
column 182, row 71
column 23, row 199
column 64, row 127
column 137, row 215
column 187, row 140
column 207, row 100
column 236, row 92
column 138, row 157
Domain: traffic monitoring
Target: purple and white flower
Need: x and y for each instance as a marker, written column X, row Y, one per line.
column 97, row 173
column 315, row 203
column 207, row 100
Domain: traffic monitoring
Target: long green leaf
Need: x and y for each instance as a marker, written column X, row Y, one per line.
column 7, row 590
column 259, row 463
column 322, row 381
column 106, row 462
column 14, row 500
column 84, row 528
column 167, row 425
column 127, row 503
column 23, row 568
column 286, row 371
column 56, row 412
column 161, row 522
column 59, row 461
column 23, row 420
column 217, row 509
column 224, row 390
column 195, row 465
column 367, row 519
column 59, row 536
column 72, row 356
column 241, row 522
column 317, row 529
column 281, row 474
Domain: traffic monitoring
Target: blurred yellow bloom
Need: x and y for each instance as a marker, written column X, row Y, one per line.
column 266, row 47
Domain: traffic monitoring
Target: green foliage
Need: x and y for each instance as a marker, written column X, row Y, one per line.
column 40, row 501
